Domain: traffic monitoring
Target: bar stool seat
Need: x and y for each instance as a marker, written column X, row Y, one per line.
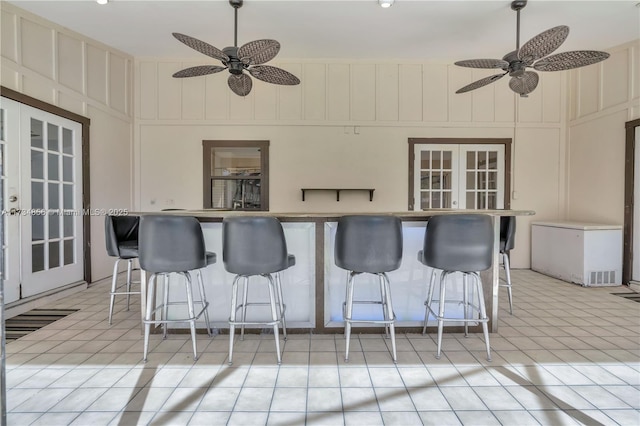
column 458, row 243
column 121, row 237
column 256, row 246
column 173, row 245
column 369, row 245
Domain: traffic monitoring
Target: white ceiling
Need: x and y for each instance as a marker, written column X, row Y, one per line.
column 410, row 30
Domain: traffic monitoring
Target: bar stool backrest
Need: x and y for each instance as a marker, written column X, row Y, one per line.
column 117, row 230
column 253, row 245
column 461, row 242
column 370, row 244
column 171, row 244
column 507, row 233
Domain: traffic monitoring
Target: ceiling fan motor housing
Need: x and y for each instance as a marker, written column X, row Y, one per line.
column 235, row 65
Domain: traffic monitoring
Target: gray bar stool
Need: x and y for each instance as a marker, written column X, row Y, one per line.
column 507, row 242
column 173, row 244
column 121, row 237
column 369, row 245
column 255, row 246
column 458, row 243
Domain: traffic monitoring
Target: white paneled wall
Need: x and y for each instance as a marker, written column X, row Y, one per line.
column 603, row 97
column 68, row 70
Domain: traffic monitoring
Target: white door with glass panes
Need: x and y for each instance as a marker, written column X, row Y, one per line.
column 465, row 176
column 43, row 200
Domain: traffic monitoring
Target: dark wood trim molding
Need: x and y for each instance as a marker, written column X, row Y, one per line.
column 206, row 167
column 463, row 141
column 86, row 196
column 629, row 166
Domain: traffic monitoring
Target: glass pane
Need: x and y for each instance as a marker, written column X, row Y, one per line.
column 446, row 160
column 52, row 137
column 54, row 254
column 53, row 166
column 424, row 180
column 37, row 228
column 424, row 200
column 37, row 166
column 493, row 160
column 435, row 200
column 482, row 160
column 235, row 194
column 68, row 225
column 425, row 157
column 435, row 180
column 482, row 180
column 493, row 180
column 446, row 200
column 2, row 170
column 481, row 197
column 67, row 197
column 68, row 252
column 492, row 202
column 471, row 200
column 471, row 160
column 37, row 195
column 37, row 257
column 471, row 180
column 436, row 159
column 67, row 169
column 67, row 141
column 446, row 180
column 54, row 196
column 54, row 226
column 231, row 161
column 36, row 133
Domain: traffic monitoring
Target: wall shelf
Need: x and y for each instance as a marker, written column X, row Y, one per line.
column 338, row 190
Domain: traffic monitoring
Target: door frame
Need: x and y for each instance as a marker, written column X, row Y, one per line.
column 629, row 165
column 86, row 200
column 462, row 141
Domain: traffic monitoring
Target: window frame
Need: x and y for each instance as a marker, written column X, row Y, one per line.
column 262, row 145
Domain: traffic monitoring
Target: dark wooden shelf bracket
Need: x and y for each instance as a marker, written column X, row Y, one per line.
column 338, row 190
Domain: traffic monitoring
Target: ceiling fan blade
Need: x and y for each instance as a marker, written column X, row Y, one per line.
column 240, row 84
column 524, row 84
column 483, row 63
column 480, row 83
column 198, row 71
column 543, row 44
column 570, row 60
column 258, row 51
column 202, row 47
column 273, row 75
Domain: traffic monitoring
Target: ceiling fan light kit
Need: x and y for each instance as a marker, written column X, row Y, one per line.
column 534, row 54
column 248, row 57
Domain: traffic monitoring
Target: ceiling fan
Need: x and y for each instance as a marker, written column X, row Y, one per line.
column 533, row 53
column 248, row 57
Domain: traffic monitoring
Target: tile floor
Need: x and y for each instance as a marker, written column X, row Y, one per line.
column 568, row 355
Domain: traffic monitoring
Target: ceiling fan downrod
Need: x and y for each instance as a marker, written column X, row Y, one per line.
column 236, row 4
column 518, row 5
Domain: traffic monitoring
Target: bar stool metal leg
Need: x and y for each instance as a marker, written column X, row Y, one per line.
column 441, row 311
column 383, row 299
column 192, row 314
column 507, row 272
column 114, row 286
column 428, row 302
column 274, row 315
column 147, row 316
column 348, row 314
column 165, row 305
column 232, row 317
column 281, row 305
column 483, row 315
column 465, row 303
column 245, row 298
column 129, row 273
column 390, row 315
column 205, row 304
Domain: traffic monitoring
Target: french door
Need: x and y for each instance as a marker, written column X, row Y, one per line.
column 635, row 267
column 42, row 200
column 464, row 176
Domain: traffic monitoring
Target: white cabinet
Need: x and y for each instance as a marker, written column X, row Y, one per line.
column 582, row 253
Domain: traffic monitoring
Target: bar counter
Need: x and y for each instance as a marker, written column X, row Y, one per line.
column 314, row 288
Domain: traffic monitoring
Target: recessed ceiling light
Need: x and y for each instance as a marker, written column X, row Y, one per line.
column 102, row 1
column 385, row 3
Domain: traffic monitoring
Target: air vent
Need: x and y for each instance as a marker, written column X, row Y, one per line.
column 602, row 277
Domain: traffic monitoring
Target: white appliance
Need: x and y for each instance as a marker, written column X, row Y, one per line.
column 583, row 253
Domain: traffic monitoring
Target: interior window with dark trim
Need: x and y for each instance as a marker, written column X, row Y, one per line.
column 236, row 175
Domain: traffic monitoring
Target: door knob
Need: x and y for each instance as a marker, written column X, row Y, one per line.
column 13, row 198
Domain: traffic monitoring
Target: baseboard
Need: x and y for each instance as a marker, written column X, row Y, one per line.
column 23, row 305
column 635, row 286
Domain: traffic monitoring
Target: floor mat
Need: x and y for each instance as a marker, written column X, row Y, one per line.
column 631, row 296
column 33, row 320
